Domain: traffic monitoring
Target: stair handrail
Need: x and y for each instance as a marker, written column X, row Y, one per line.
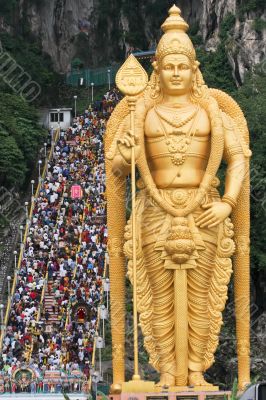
column 38, row 317
column 76, row 263
column 15, row 279
column 98, row 321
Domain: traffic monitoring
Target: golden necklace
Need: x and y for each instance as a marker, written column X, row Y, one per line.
column 179, row 147
column 175, row 121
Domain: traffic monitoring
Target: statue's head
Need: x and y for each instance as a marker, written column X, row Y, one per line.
column 175, row 59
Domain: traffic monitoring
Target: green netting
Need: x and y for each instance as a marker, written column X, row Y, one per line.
column 104, row 389
column 98, row 76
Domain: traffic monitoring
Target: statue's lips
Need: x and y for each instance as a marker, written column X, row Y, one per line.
column 176, row 82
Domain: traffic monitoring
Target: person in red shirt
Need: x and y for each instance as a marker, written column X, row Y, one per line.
column 33, row 295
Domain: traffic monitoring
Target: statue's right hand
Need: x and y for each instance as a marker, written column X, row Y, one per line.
column 125, row 146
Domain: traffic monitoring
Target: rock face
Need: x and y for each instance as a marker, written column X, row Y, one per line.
column 99, row 31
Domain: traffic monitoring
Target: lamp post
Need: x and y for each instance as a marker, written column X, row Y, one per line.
column 32, row 189
column 106, row 288
column 52, row 137
column 45, row 150
column 96, row 379
column 40, row 163
column 8, row 284
column 2, row 315
column 104, row 316
column 92, row 85
column 15, row 255
column 75, row 98
column 109, row 78
column 58, row 116
column 26, row 211
column 100, row 346
column 21, row 234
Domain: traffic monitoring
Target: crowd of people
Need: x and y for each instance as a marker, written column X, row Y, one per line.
column 53, row 319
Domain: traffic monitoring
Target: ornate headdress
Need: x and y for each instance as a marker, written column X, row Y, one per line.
column 175, row 39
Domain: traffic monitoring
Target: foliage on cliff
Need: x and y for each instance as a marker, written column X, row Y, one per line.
column 252, row 98
column 20, row 134
column 27, row 52
column 20, row 138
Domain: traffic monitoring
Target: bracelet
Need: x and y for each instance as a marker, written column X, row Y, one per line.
column 229, row 200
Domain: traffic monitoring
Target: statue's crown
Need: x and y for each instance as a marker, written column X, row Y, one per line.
column 175, row 39
column 174, row 21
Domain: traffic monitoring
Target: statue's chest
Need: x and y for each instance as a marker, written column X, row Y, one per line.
column 176, row 138
column 165, row 125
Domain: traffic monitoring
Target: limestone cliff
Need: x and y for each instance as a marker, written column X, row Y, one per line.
column 101, row 31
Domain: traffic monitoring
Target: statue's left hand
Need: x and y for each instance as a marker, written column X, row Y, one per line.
column 215, row 213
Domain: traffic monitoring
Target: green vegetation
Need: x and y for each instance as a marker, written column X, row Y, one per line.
column 82, row 42
column 20, row 138
column 20, row 134
column 109, row 26
column 215, row 66
column 77, row 64
column 28, row 54
column 252, row 98
column 251, row 5
column 8, row 9
column 259, row 25
column 247, row 6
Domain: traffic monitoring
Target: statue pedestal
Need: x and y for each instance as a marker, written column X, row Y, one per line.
column 175, row 393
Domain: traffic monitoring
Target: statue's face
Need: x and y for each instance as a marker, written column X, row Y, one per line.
column 176, row 74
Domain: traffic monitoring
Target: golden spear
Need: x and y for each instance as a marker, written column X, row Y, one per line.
column 131, row 80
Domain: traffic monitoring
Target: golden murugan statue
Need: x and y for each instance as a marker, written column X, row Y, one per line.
column 183, row 131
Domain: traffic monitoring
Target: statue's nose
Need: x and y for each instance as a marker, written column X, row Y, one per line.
column 176, row 71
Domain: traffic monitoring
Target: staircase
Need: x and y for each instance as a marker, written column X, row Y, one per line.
column 49, row 301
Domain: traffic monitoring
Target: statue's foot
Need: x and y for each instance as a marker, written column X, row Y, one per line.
column 115, row 388
column 166, row 380
column 197, row 379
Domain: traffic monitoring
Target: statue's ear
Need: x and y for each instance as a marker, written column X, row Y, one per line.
column 199, row 77
column 195, row 66
column 155, row 66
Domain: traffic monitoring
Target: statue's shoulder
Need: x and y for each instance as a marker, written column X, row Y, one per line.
column 202, row 113
column 203, row 120
column 152, row 118
column 151, row 113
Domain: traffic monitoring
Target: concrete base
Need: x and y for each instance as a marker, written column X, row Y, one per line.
column 138, row 386
column 188, row 394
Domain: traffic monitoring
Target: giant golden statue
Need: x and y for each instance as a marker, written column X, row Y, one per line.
column 182, row 132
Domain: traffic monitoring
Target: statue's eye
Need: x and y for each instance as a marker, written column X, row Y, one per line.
column 168, row 67
column 184, row 66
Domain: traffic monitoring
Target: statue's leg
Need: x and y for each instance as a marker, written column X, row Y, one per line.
column 161, row 283
column 199, row 322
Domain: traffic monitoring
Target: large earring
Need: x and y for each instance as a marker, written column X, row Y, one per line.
column 155, row 86
column 196, row 92
column 197, row 85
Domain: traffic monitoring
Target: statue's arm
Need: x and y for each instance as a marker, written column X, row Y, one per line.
column 216, row 212
column 121, row 166
column 126, row 140
column 235, row 158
